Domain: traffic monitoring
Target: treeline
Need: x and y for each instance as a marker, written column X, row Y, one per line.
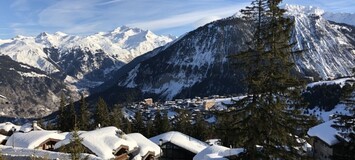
column 325, row 96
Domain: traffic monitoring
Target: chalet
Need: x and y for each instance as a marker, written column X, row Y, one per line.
column 106, row 143
column 178, row 146
column 42, row 140
column 326, row 143
column 147, row 149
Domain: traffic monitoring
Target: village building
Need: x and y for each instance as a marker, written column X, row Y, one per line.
column 149, row 101
column 106, row 143
column 147, row 149
column 207, row 104
column 327, row 145
column 42, row 140
column 178, row 146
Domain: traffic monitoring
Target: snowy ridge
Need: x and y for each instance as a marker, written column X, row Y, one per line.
column 296, row 10
column 198, row 64
column 78, row 56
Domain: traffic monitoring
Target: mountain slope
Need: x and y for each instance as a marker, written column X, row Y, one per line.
column 198, row 64
column 28, row 91
column 36, row 70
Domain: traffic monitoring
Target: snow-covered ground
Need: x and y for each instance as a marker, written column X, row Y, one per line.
column 341, row 82
column 327, row 115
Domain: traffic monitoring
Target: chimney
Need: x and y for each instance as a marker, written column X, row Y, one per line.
column 34, row 125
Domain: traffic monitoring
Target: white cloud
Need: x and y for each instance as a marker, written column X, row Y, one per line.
column 206, row 20
column 192, row 18
column 20, row 5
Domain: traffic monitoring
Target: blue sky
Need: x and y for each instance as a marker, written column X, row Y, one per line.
column 81, row 17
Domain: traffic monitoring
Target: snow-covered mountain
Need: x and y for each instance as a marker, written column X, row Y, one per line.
column 48, row 64
column 197, row 64
column 80, row 57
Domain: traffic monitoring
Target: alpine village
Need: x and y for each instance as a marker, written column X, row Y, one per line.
column 272, row 82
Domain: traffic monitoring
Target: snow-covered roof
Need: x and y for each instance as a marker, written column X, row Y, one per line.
column 210, row 153
column 145, row 145
column 32, row 139
column 217, row 152
column 7, row 126
column 103, row 141
column 325, row 132
column 184, row 141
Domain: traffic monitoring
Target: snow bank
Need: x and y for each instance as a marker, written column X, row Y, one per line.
column 145, row 145
column 184, row 141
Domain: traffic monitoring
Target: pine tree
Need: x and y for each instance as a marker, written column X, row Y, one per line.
column 268, row 116
column 157, row 123
column 102, row 113
column 61, row 121
column 116, row 117
column 182, row 123
column 138, row 124
column 84, row 116
column 345, row 124
column 76, row 148
column 70, row 116
column 165, row 123
column 200, row 129
column 127, row 125
column 149, row 129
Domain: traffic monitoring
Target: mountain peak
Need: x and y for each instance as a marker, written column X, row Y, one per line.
column 42, row 35
column 58, row 33
column 306, row 10
column 125, row 28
